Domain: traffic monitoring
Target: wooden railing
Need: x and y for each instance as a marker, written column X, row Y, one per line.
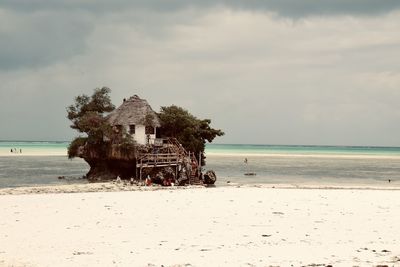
column 157, row 158
column 174, row 154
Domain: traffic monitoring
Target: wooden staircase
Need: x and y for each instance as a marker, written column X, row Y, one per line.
column 188, row 159
column 194, row 176
column 175, row 155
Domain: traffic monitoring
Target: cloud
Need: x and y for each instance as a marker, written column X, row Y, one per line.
column 37, row 33
column 261, row 77
column 40, row 38
column 295, row 8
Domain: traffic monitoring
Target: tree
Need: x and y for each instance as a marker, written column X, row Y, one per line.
column 87, row 116
column 190, row 131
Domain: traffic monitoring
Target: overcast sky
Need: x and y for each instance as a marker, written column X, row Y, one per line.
column 265, row 71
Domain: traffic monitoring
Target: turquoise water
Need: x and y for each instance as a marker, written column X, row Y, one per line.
column 222, row 149
column 317, row 165
column 302, row 150
column 34, row 147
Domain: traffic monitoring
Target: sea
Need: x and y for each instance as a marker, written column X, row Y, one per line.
column 27, row 163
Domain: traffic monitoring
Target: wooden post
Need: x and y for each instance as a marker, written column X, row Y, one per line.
column 176, row 173
column 199, row 163
column 140, row 171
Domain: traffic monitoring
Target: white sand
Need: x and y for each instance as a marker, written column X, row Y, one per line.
column 228, row 226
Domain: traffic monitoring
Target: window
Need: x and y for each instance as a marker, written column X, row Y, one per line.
column 132, row 129
column 149, row 130
column 158, row 132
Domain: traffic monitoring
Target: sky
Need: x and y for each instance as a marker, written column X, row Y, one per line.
column 299, row 72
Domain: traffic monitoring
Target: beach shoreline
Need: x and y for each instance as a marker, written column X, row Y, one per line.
column 125, row 186
column 222, row 226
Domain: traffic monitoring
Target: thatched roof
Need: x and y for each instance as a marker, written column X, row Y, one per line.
column 133, row 111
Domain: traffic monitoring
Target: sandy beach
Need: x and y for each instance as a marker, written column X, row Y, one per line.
column 224, row 226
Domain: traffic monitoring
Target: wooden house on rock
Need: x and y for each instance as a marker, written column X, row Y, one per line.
column 136, row 117
column 161, row 159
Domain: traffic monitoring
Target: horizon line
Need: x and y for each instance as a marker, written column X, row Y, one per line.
column 239, row 144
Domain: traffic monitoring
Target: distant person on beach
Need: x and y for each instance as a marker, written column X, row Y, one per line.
column 245, row 160
column 11, row 150
column 20, row 150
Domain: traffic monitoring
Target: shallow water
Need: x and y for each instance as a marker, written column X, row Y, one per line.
column 306, row 170
column 236, row 149
column 299, row 165
column 40, row 170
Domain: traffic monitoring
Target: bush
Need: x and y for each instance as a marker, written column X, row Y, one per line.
column 73, row 148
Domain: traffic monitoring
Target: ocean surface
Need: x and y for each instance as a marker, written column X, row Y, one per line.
column 42, row 163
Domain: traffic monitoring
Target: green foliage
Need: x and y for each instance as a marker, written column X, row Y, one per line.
column 127, row 144
column 127, row 140
column 87, row 116
column 191, row 132
column 75, row 145
column 87, row 112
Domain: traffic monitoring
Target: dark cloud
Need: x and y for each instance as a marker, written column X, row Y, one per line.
column 40, row 38
column 37, row 33
column 299, row 8
column 295, row 8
